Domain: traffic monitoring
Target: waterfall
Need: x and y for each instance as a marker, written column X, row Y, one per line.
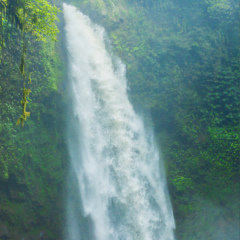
column 117, row 190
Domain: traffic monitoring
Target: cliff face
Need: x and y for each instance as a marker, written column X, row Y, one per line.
column 182, row 64
column 32, row 157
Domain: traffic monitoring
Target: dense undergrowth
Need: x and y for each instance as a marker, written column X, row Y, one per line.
column 182, row 61
column 32, row 157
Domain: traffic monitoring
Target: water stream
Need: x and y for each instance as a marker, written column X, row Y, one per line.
column 117, row 189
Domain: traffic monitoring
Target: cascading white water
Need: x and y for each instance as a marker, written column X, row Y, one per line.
column 122, row 191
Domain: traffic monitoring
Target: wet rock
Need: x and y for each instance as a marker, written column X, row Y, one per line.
column 4, row 232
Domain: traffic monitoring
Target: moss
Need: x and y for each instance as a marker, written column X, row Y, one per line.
column 28, row 156
column 24, row 102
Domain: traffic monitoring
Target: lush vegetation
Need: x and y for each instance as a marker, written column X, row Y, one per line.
column 182, row 60
column 37, row 17
column 31, row 157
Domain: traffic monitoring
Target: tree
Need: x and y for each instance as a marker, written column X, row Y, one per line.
column 35, row 16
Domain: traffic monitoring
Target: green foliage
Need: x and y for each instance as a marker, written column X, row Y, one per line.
column 35, row 16
column 182, row 60
column 41, row 18
column 31, row 158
